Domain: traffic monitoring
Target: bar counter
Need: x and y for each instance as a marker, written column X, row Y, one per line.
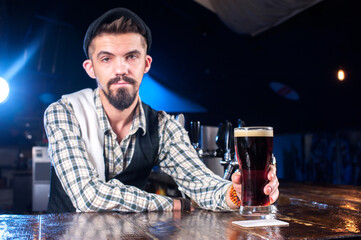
column 313, row 212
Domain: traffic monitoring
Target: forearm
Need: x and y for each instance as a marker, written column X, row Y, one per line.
column 114, row 196
column 196, row 180
column 178, row 159
column 88, row 193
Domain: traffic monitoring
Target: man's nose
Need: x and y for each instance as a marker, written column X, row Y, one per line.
column 121, row 67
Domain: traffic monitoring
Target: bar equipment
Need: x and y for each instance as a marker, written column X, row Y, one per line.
column 209, row 146
column 225, row 146
column 41, row 179
column 195, row 133
column 225, row 143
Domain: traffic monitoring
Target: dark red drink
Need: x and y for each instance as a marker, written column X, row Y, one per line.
column 254, row 146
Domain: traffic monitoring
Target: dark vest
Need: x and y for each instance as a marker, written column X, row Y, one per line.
column 136, row 174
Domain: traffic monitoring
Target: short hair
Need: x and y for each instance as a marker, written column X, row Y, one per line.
column 108, row 23
column 121, row 25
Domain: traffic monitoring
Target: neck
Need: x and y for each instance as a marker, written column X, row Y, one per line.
column 120, row 120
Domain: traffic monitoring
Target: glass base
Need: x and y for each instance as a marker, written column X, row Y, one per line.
column 255, row 210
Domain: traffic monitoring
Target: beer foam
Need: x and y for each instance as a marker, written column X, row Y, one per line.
column 253, row 132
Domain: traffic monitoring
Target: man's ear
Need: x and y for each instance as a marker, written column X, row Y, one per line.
column 148, row 63
column 88, row 66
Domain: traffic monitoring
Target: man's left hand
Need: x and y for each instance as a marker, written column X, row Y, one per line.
column 270, row 189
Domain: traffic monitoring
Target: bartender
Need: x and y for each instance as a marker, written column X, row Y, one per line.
column 103, row 143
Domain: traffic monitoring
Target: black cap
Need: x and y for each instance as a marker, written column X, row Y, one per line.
column 111, row 16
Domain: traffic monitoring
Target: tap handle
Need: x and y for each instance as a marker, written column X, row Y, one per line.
column 240, row 123
column 225, row 141
column 228, row 172
column 195, row 132
column 229, row 141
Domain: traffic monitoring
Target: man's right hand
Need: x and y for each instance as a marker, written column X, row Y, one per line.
column 177, row 205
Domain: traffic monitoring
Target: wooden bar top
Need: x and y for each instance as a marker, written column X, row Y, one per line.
column 313, row 212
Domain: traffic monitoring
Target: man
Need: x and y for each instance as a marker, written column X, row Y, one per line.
column 104, row 143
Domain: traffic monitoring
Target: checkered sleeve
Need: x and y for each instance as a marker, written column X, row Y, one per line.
column 78, row 176
column 179, row 159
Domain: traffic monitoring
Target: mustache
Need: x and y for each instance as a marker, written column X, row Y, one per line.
column 124, row 78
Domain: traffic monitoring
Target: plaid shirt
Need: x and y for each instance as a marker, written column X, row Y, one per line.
column 87, row 192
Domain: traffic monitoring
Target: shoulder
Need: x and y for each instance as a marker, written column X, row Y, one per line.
column 165, row 118
column 64, row 106
column 60, row 113
column 60, row 106
column 166, row 122
column 84, row 95
column 162, row 116
column 169, row 125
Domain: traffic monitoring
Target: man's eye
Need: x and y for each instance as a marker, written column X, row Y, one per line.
column 132, row 56
column 105, row 59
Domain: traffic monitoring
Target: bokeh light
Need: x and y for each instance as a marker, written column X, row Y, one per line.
column 4, row 90
column 341, row 75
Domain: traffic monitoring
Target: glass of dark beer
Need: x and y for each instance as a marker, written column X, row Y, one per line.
column 254, row 147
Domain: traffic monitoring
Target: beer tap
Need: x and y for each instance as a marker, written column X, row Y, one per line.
column 240, row 123
column 233, row 164
column 225, row 142
column 194, row 135
column 227, row 159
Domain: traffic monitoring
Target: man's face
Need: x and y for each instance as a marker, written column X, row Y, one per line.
column 118, row 63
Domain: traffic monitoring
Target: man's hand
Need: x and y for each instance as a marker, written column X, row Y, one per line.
column 177, row 205
column 270, row 189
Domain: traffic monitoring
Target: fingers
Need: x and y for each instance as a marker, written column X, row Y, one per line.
column 236, row 178
column 274, row 196
column 272, row 187
column 272, row 172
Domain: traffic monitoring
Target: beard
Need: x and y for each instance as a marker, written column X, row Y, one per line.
column 121, row 98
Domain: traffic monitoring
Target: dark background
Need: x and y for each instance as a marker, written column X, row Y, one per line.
column 196, row 56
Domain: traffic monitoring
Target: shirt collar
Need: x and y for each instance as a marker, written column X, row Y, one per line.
column 139, row 121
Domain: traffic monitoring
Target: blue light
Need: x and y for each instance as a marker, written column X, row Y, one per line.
column 161, row 98
column 4, row 90
column 22, row 60
column 47, row 98
column 284, row 91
